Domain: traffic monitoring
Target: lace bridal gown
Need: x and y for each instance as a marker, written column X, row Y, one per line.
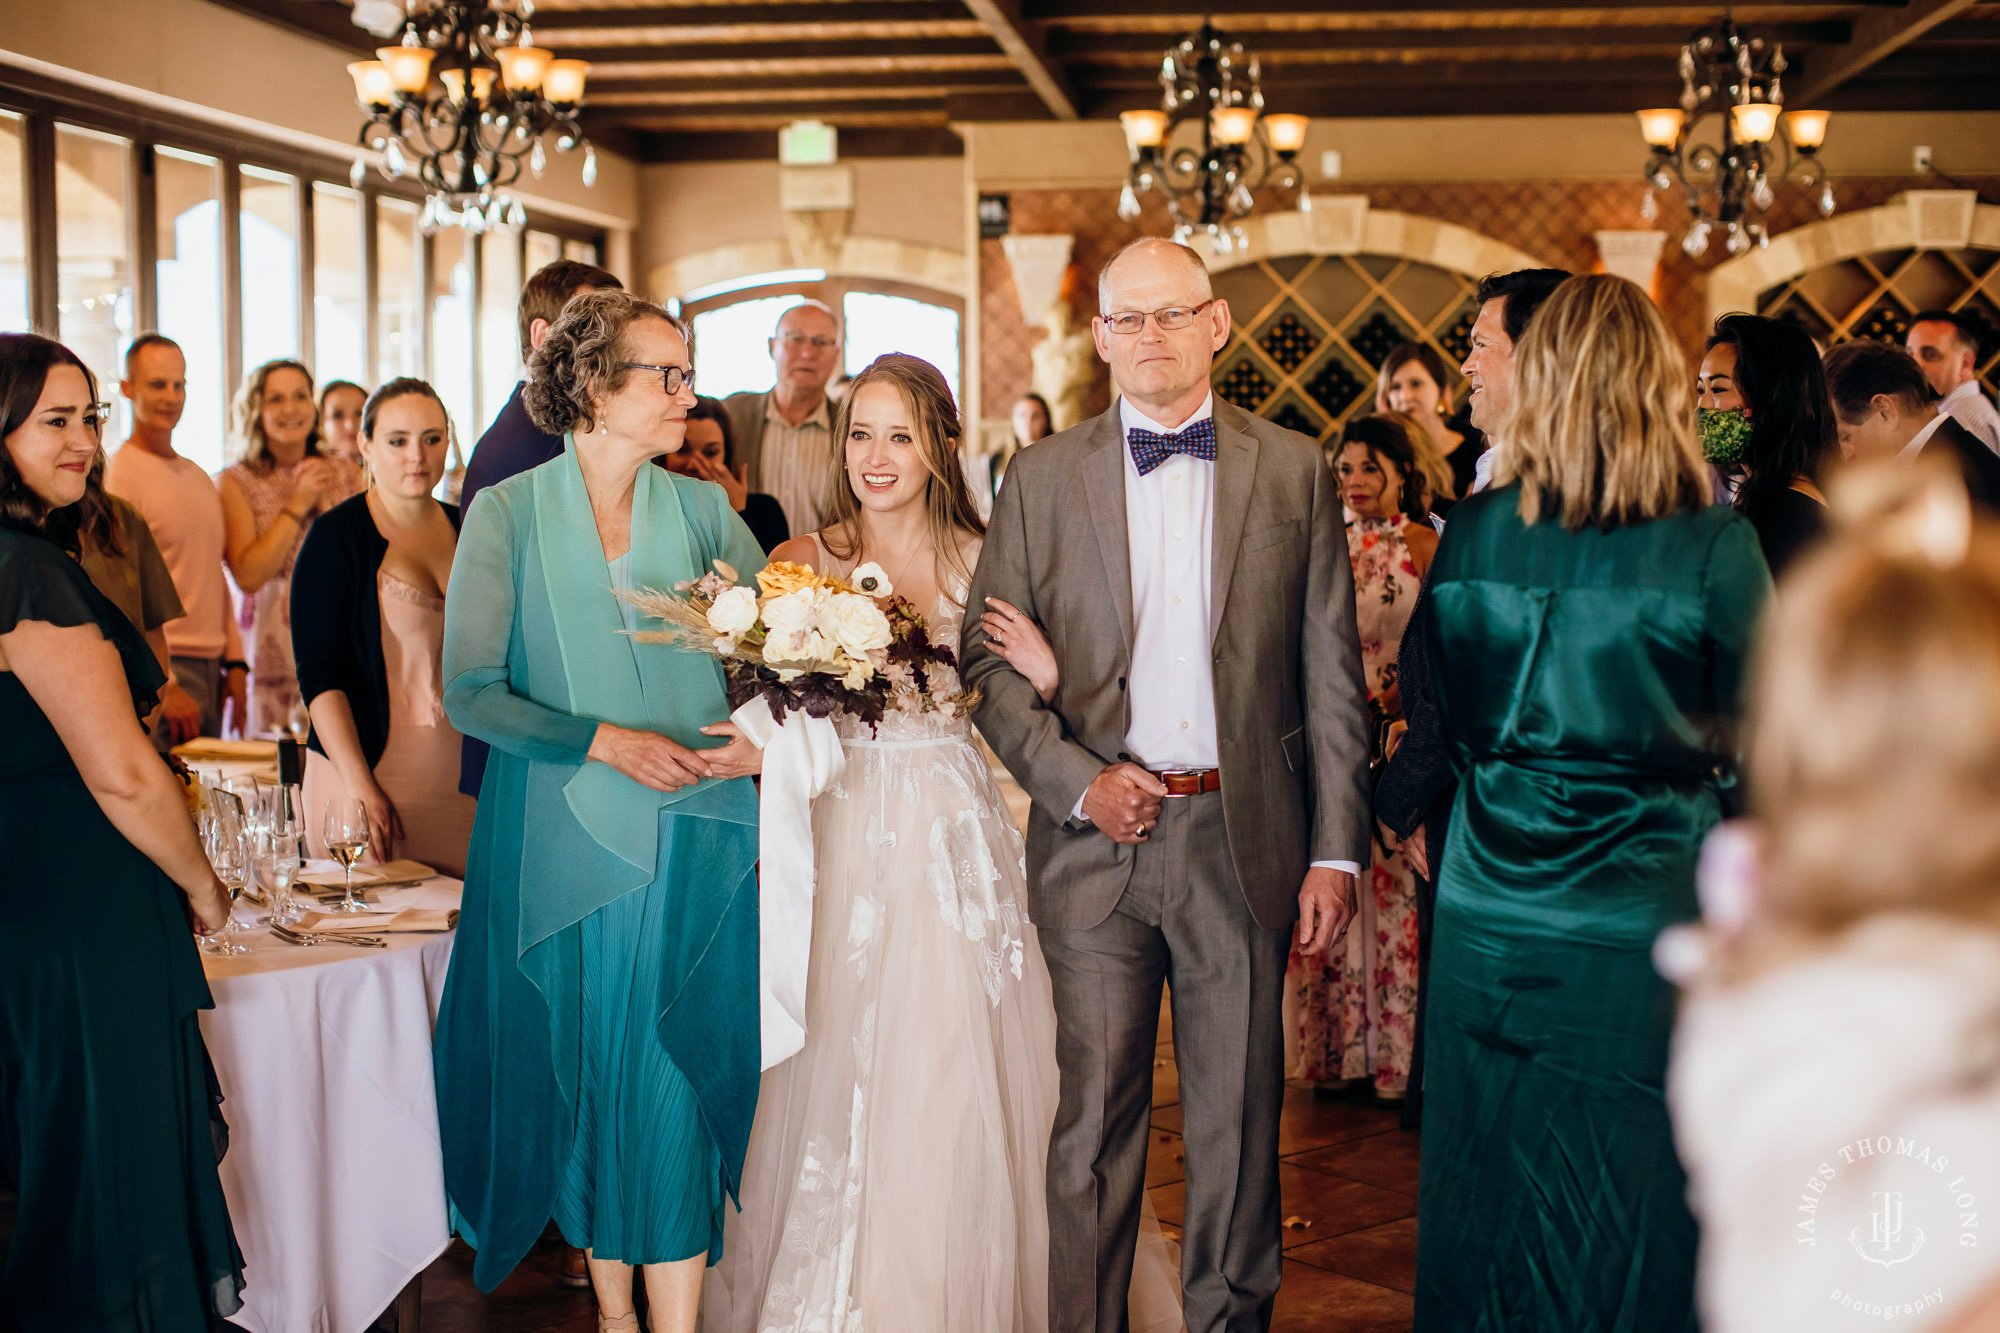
column 894, row 1182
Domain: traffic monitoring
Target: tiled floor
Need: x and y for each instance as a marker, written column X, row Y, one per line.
column 1349, row 1178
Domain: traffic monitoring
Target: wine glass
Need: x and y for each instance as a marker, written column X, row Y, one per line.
column 345, row 828
column 229, row 856
column 298, row 721
column 278, row 869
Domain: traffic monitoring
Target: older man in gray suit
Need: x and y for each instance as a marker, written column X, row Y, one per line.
column 1198, row 779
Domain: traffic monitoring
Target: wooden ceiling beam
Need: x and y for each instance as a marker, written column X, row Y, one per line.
column 1027, row 46
column 762, row 15
column 1078, row 46
column 1058, row 12
column 950, row 79
column 808, row 49
column 1877, row 36
column 762, row 145
column 1635, row 75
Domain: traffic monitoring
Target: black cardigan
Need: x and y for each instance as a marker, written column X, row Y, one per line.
column 337, row 618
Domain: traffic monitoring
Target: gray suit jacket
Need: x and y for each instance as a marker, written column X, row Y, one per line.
column 746, row 429
column 1291, row 708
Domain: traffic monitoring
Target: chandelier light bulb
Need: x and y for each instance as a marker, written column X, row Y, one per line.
column 1234, row 124
column 523, row 67
column 372, row 85
column 1143, row 129
column 409, row 66
column 1660, row 127
column 1754, row 122
column 1286, row 133
column 1807, row 129
column 563, row 80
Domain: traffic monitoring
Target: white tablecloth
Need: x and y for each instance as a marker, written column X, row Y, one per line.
column 334, row 1175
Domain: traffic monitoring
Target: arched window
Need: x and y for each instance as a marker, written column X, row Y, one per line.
column 732, row 326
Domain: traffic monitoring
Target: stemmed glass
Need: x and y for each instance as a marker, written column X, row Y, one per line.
column 298, row 722
column 279, row 832
column 345, row 828
column 222, row 835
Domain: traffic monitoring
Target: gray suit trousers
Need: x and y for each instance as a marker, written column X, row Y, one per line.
column 1182, row 920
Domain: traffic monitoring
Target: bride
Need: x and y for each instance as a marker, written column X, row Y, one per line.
column 894, row 1179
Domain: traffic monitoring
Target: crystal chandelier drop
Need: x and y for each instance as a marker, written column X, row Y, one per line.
column 1738, row 79
column 1209, row 80
column 463, row 103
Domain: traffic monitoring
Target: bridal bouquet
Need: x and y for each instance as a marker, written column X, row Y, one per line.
column 811, row 643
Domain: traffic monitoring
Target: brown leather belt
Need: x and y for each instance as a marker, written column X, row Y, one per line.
column 1190, row 781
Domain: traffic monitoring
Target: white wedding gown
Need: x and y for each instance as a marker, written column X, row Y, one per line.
column 894, row 1181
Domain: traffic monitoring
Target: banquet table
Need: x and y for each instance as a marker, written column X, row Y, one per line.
column 334, row 1175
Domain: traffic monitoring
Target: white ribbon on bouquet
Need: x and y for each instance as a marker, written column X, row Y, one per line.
column 802, row 758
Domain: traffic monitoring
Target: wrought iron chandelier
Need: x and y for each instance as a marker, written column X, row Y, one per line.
column 1208, row 79
column 1739, row 79
column 467, row 133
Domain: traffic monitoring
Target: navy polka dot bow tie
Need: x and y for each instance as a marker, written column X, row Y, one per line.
column 1150, row 449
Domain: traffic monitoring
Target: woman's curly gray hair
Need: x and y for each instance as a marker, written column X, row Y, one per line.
column 577, row 362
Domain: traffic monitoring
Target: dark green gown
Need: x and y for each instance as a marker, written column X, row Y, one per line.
column 111, row 1212
column 1588, row 684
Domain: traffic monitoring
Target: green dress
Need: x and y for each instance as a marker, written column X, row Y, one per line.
column 1587, row 683
column 109, row 1111
column 597, row 1045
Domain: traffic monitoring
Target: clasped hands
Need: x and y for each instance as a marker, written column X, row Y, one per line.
column 652, row 760
column 1123, row 802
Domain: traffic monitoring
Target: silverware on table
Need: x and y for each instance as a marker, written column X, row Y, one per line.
column 311, row 937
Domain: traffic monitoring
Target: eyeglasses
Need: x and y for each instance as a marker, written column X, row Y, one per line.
column 820, row 342
column 675, row 377
column 1173, row 317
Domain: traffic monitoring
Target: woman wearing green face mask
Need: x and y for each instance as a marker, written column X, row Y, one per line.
column 1766, row 419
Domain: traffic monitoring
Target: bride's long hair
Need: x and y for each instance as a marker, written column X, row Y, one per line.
column 947, row 498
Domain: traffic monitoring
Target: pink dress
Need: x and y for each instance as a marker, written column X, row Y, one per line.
column 419, row 765
column 1357, row 1005
column 266, row 615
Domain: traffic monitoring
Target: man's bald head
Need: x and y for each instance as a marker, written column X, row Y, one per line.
column 1147, row 259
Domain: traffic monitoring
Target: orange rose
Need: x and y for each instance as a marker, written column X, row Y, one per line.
column 782, row 576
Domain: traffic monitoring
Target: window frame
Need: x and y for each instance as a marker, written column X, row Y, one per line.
column 43, row 101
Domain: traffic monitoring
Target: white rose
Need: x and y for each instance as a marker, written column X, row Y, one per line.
column 859, row 673
column 787, row 615
column 871, row 579
column 857, row 623
column 734, row 612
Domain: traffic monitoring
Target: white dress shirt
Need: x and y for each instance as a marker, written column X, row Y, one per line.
column 1973, row 410
column 1922, row 437
column 1170, row 536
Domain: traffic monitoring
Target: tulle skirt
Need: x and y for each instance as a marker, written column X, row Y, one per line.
column 895, row 1177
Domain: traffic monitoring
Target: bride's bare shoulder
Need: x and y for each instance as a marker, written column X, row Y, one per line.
column 798, row 551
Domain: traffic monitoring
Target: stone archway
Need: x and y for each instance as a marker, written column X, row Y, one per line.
column 1346, row 225
column 1930, row 220
column 876, row 257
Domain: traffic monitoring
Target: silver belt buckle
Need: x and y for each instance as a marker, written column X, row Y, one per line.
column 1175, row 773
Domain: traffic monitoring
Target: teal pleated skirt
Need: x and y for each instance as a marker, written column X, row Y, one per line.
column 644, row 1181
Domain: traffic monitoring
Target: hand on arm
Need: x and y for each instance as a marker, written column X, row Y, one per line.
column 1021, row 642
column 740, row 758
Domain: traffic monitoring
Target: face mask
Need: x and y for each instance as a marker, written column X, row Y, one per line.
column 1725, row 435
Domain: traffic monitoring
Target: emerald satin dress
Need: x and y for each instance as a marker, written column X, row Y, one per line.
column 597, row 1044
column 1588, row 684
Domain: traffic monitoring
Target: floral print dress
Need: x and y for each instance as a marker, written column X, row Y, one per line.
column 1357, row 1005
column 265, row 616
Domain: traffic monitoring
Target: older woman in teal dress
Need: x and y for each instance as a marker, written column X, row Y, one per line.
column 597, row 1045
column 1589, row 621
